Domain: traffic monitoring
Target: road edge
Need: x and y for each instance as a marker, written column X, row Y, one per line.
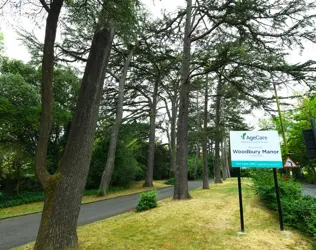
column 87, row 203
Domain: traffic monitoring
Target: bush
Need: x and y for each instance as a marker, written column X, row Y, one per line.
column 147, row 201
column 100, row 193
column 171, row 181
column 24, row 198
column 298, row 211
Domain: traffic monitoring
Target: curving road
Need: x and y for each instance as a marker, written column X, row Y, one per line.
column 22, row 230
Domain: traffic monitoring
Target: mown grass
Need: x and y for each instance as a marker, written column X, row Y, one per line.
column 209, row 221
column 38, row 206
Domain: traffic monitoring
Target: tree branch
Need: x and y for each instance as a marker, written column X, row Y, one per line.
column 45, row 5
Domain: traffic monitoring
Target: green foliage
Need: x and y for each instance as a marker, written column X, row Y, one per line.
column 100, row 193
column 25, row 198
column 294, row 123
column 170, row 181
column 19, row 120
column 126, row 169
column 298, row 211
column 161, row 162
column 147, row 201
column 192, row 173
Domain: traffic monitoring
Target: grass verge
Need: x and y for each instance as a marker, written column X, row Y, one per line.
column 38, row 206
column 208, row 221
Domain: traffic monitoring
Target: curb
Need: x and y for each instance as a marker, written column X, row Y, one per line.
column 87, row 203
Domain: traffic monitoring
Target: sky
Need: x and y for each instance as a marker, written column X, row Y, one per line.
column 14, row 48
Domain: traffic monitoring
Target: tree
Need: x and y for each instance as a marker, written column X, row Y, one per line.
column 19, row 112
column 296, row 119
column 59, row 222
column 243, row 21
column 218, row 178
column 181, row 184
column 20, row 108
column 204, row 140
column 107, row 174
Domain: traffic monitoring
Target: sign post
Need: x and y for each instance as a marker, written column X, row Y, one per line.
column 256, row 149
column 276, row 185
column 241, row 210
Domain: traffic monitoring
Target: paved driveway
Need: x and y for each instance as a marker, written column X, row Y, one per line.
column 309, row 189
column 22, row 230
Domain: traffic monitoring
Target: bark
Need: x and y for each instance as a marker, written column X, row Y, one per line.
column 64, row 189
column 152, row 138
column 170, row 150
column 173, row 135
column 47, row 93
column 204, row 140
column 181, row 171
column 108, row 171
column 226, row 159
column 218, row 134
column 196, row 161
column 198, row 123
column 224, row 171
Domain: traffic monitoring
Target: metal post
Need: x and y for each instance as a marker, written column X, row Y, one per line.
column 242, row 226
column 278, row 198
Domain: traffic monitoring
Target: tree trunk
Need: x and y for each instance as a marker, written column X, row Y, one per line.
column 173, row 135
column 181, row 171
column 152, row 138
column 47, row 93
column 204, row 139
column 107, row 173
column 64, row 189
column 196, row 161
column 224, row 171
column 226, row 158
column 198, row 125
column 218, row 134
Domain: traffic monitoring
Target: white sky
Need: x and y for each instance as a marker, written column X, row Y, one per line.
column 14, row 48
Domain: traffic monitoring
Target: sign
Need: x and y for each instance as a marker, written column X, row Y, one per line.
column 255, row 149
column 289, row 163
column 310, row 143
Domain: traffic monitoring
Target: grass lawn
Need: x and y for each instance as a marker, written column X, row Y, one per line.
column 38, row 206
column 208, row 221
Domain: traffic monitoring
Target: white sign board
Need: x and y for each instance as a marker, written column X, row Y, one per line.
column 255, row 149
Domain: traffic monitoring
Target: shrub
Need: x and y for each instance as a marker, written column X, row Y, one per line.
column 171, row 181
column 147, row 201
column 24, row 198
column 298, row 211
column 100, row 193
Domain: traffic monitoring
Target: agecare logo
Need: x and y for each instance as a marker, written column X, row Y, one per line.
column 244, row 137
